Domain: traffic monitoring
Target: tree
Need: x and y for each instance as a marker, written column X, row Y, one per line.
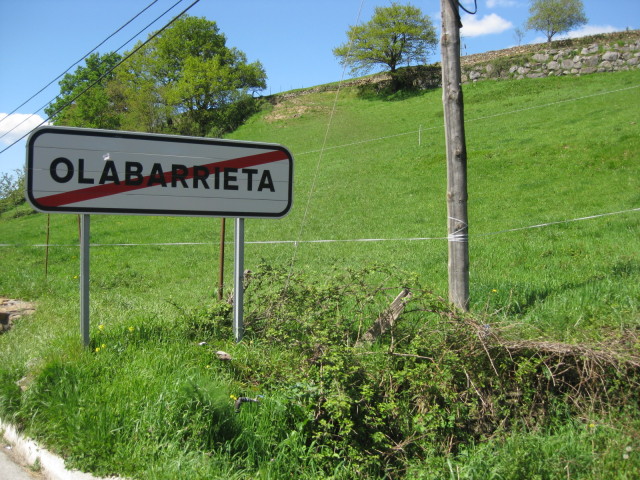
column 84, row 99
column 555, row 16
column 518, row 34
column 187, row 81
column 395, row 35
column 11, row 190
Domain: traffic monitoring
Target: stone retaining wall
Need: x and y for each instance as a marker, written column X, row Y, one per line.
column 596, row 57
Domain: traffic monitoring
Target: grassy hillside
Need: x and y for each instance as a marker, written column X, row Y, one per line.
column 554, row 199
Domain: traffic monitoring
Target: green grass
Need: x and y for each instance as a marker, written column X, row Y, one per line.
column 152, row 403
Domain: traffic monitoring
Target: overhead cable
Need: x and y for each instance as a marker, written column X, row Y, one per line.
column 134, row 51
column 51, row 101
column 475, row 10
column 75, row 63
column 322, row 149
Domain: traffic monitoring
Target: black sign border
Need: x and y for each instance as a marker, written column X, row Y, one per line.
column 152, row 137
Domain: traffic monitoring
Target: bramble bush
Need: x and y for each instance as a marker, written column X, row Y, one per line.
column 437, row 380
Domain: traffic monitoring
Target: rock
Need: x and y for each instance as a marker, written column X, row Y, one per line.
column 591, row 61
column 223, row 355
column 541, row 57
column 25, row 382
column 553, row 65
column 610, row 56
column 567, row 64
column 4, row 321
column 591, row 49
column 11, row 310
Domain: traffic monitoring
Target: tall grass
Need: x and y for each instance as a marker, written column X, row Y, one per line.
column 150, row 402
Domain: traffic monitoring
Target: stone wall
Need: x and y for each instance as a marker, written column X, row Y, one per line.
column 606, row 52
column 602, row 55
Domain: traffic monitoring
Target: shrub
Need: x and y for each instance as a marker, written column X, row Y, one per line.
column 11, row 190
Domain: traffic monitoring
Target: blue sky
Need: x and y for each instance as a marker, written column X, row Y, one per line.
column 41, row 39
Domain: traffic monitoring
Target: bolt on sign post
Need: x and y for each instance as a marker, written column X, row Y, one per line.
column 89, row 171
column 457, row 223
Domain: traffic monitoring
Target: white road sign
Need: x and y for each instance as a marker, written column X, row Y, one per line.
column 73, row 170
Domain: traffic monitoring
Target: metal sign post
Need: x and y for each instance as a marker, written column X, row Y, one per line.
column 238, row 301
column 85, row 239
column 221, row 259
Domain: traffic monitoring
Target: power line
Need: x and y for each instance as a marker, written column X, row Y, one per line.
column 322, row 149
column 75, row 63
column 475, row 10
column 94, row 83
column 133, row 52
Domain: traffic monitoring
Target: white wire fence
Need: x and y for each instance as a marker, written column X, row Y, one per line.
column 334, row 240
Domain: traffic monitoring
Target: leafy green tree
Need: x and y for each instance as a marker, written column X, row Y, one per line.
column 187, row 81
column 84, row 99
column 555, row 16
column 11, row 190
column 395, row 35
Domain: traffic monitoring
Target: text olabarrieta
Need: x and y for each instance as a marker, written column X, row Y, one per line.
column 62, row 170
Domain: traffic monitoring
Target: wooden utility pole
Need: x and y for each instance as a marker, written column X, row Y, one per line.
column 457, row 223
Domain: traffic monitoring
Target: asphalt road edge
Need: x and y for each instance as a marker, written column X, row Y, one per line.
column 51, row 467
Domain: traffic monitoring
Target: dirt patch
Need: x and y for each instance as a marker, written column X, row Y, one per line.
column 11, row 310
column 292, row 107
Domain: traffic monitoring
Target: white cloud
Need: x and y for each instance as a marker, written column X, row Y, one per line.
column 580, row 32
column 487, row 25
column 590, row 30
column 501, row 3
column 16, row 125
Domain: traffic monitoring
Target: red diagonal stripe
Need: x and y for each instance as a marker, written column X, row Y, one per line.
column 108, row 189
